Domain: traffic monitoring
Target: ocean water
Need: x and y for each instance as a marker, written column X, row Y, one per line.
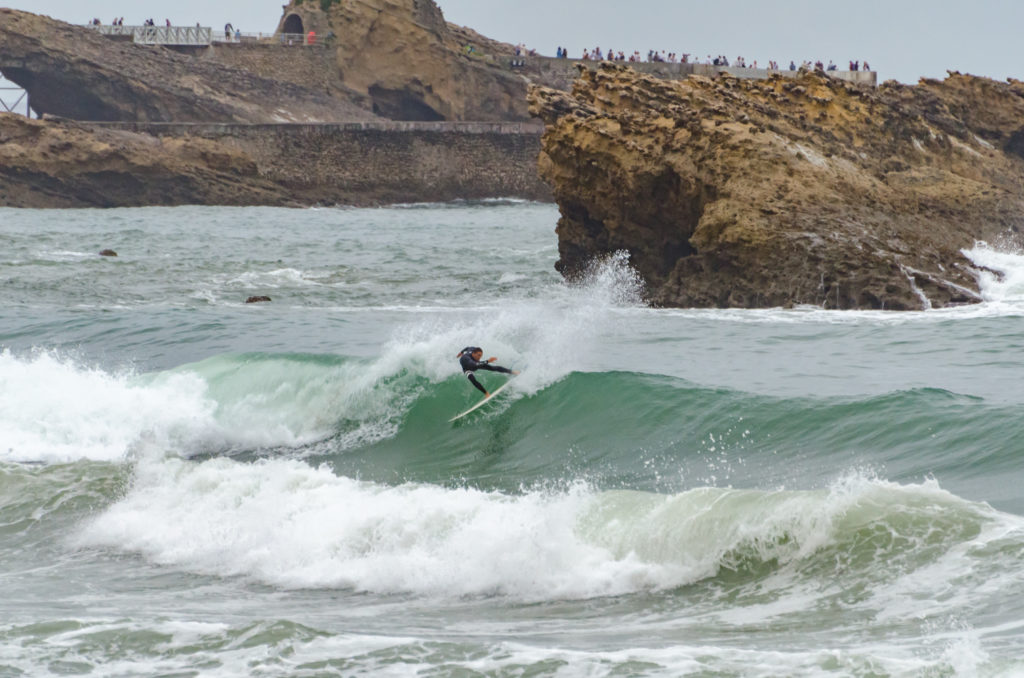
column 195, row 486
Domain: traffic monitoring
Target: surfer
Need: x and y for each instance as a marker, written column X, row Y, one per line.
column 470, row 358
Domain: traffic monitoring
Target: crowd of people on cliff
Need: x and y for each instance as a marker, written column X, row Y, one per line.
column 119, row 21
column 230, row 32
column 655, row 56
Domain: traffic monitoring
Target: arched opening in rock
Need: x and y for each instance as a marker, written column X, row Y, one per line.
column 52, row 91
column 398, row 104
column 1015, row 144
column 293, row 24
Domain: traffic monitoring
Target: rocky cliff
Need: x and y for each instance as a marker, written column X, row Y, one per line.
column 59, row 163
column 63, row 164
column 74, row 72
column 413, row 65
column 739, row 193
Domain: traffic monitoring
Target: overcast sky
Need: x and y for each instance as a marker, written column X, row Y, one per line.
column 901, row 39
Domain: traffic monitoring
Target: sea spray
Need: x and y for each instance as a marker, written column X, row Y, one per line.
column 1000, row 273
column 546, row 336
column 54, row 409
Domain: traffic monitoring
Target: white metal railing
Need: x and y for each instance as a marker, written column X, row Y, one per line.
column 200, row 36
column 14, row 100
column 160, row 35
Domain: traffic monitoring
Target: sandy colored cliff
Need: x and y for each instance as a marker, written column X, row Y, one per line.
column 413, row 65
column 737, row 193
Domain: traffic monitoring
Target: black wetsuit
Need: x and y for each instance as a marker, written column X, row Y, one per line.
column 469, row 366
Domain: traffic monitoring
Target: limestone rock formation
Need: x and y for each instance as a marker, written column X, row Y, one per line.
column 62, row 164
column 411, row 63
column 73, row 72
column 743, row 193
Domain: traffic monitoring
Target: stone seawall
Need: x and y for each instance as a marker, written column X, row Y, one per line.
column 313, row 66
column 367, row 163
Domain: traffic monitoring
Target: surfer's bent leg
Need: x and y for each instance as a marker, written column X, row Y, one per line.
column 476, row 383
column 494, row 368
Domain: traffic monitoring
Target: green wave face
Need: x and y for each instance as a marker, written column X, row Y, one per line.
column 386, row 419
column 663, row 434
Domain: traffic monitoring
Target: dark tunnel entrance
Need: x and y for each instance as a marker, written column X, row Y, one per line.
column 293, row 24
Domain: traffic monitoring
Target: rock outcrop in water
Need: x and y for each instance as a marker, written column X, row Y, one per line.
column 742, row 193
column 64, row 164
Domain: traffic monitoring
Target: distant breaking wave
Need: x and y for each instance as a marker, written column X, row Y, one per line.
column 287, row 524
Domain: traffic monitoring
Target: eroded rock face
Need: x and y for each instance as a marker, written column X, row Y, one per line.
column 62, row 164
column 73, row 72
column 412, row 64
column 740, row 193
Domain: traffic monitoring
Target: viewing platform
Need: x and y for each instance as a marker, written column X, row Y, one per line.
column 175, row 36
column 197, row 36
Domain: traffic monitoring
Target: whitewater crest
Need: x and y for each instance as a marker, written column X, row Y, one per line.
column 55, row 409
column 288, row 524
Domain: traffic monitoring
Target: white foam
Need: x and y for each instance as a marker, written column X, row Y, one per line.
column 53, row 409
column 65, row 255
column 291, row 525
column 1007, row 288
column 285, row 523
column 281, row 277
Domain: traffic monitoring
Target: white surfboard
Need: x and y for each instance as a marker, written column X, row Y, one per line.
column 482, row 402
